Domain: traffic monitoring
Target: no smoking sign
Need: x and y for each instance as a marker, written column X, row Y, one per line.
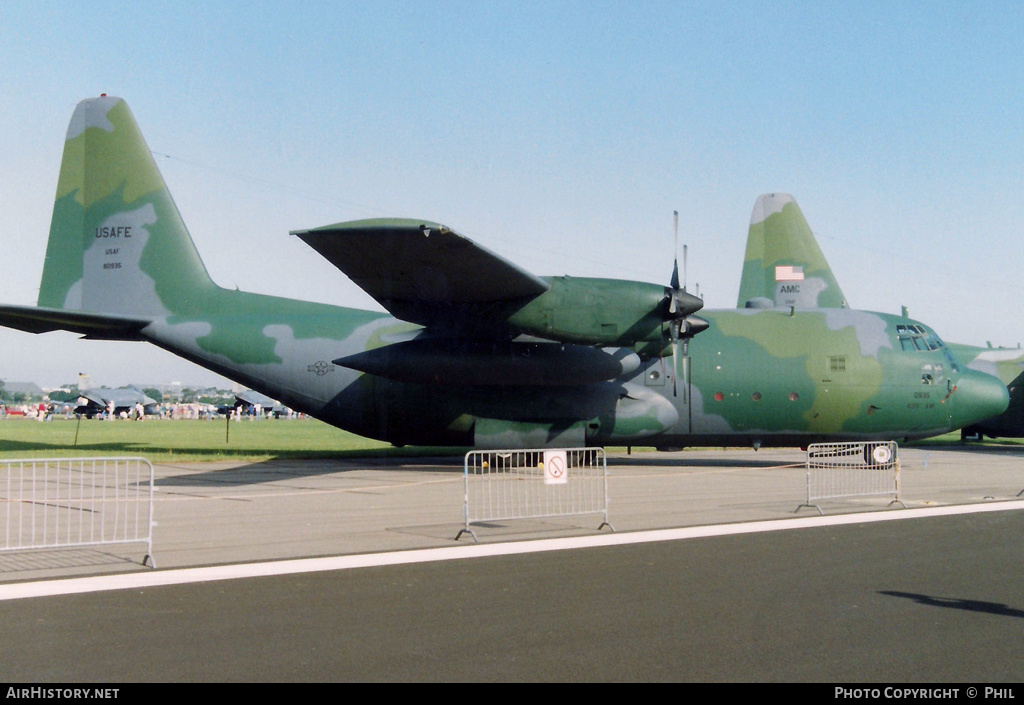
column 555, row 467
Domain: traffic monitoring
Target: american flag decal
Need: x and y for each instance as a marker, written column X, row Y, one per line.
column 789, row 273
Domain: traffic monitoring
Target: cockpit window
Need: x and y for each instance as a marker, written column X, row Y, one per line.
column 915, row 337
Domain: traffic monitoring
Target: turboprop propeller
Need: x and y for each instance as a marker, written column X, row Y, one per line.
column 681, row 305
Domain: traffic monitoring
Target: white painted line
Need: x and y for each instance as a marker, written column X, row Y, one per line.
column 157, row 578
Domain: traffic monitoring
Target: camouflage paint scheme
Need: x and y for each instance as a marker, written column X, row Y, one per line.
column 779, row 236
column 480, row 352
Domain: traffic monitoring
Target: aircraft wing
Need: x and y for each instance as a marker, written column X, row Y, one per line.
column 421, row 271
column 36, row 319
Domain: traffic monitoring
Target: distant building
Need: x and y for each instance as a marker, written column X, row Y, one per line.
column 29, row 389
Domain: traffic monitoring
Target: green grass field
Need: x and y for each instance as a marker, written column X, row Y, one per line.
column 195, row 441
column 162, row 441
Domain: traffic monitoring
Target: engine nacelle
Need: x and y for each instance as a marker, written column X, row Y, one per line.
column 607, row 312
column 459, row 362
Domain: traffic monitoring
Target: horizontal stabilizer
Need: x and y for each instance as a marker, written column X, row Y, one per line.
column 34, row 319
column 421, row 271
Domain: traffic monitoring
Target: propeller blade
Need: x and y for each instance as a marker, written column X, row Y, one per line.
column 675, row 368
column 675, row 267
column 674, row 331
column 684, row 267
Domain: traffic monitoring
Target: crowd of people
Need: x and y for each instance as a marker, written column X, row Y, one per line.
column 44, row 411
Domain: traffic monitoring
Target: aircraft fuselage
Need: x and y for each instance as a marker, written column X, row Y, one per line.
column 763, row 377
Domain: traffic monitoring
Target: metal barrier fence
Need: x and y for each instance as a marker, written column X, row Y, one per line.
column 533, row 484
column 864, row 469
column 69, row 502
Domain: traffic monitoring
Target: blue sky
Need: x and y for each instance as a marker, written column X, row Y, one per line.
column 561, row 135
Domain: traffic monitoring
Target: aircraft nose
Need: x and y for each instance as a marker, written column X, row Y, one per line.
column 978, row 397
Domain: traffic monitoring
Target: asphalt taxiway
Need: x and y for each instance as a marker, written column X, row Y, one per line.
column 712, row 574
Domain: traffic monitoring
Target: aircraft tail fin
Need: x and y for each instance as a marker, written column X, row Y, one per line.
column 783, row 265
column 118, row 247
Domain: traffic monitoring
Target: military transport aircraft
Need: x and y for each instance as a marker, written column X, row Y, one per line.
column 784, row 266
column 474, row 350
